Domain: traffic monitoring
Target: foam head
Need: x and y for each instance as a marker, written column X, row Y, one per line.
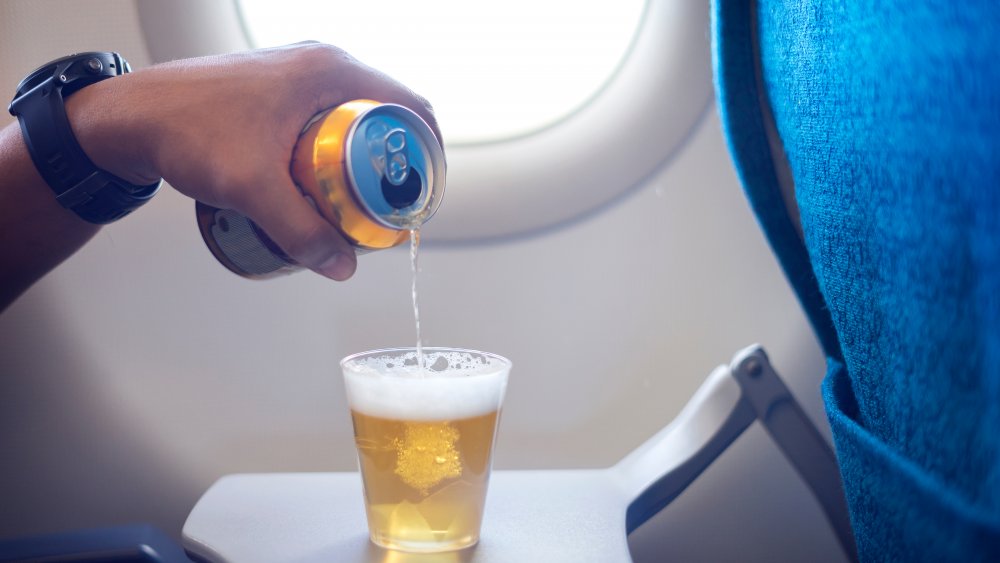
column 455, row 384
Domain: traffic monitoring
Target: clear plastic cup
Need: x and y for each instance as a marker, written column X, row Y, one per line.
column 425, row 442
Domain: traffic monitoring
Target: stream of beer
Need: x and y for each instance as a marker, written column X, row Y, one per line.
column 414, row 248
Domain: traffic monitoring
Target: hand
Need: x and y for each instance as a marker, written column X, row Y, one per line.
column 222, row 130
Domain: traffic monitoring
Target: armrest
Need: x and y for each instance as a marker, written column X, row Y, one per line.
column 660, row 469
column 731, row 398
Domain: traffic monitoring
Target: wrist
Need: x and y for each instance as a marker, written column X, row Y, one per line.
column 107, row 123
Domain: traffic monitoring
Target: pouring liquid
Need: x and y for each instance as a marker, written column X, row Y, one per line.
column 414, row 251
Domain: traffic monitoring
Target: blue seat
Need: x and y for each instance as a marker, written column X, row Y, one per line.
column 138, row 543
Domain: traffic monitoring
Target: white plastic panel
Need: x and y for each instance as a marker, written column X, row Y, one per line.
column 555, row 516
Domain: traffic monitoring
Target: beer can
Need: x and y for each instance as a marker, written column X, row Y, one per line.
column 373, row 170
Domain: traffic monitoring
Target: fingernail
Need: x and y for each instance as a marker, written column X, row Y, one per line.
column 339, row 267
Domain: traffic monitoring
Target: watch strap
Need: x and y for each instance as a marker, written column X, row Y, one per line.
column 97, row 196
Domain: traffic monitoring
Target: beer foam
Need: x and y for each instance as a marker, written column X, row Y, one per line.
column 453, row 385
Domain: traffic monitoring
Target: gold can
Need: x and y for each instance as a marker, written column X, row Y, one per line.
column 373, row 170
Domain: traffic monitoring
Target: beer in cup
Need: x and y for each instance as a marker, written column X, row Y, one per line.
column 425, row 433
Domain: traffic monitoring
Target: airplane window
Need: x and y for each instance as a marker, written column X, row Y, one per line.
column 493, row 70
column 551, row 111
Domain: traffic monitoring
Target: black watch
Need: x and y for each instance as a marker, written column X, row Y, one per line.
column 95, row 195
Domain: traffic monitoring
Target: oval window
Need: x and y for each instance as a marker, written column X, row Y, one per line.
column 492, row 70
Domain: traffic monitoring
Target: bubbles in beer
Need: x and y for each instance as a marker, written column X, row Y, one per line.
column 426, row 455
column 435, row 362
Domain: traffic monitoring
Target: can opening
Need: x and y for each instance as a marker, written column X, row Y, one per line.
column 405, row 194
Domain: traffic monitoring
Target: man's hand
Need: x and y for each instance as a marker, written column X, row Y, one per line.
column 222, row 130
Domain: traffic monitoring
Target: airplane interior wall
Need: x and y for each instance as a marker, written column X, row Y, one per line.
column 140, row 371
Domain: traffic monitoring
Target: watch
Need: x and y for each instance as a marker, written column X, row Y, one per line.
column 96, row 195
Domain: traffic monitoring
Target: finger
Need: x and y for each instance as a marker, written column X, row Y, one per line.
column 301, row 232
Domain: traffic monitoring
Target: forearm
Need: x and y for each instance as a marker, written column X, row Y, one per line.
column 36, row 233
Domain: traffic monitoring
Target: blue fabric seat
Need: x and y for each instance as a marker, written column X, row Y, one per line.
column 888, row 114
